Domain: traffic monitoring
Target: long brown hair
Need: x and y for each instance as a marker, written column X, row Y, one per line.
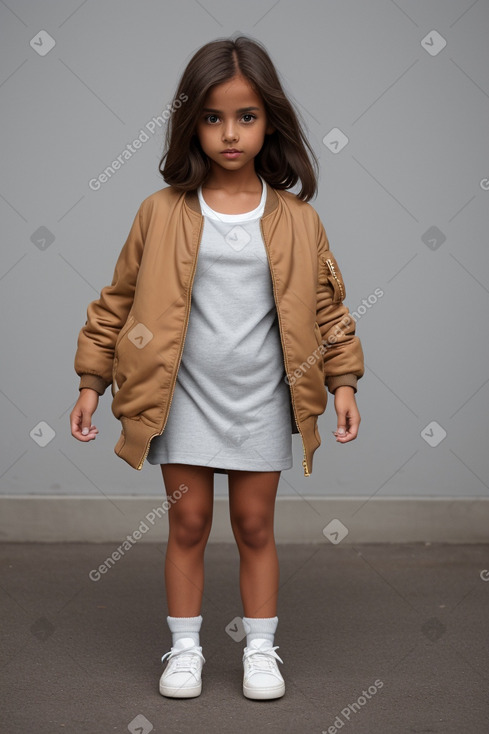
column 286, row 156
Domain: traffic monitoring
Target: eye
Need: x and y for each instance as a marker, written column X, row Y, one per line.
column 208, row 119
column 250, row 116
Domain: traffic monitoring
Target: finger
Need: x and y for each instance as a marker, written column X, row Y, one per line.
column 341, row 432
column 351, row 433
column 341, row 423
column 347, row 428
column 354, row 423
column 86, row 424
column 75, row 424
column 82, row 427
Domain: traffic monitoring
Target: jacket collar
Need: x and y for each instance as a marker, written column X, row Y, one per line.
column 192, row 201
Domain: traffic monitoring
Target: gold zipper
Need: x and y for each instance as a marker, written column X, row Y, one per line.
column 147, row 449
column 307, row 473
column 180, row 354
column 329, row 263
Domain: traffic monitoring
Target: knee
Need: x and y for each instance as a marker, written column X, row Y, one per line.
column 253, row 531
column 191, row 529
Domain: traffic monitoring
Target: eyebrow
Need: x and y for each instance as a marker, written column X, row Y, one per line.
column 242, row 109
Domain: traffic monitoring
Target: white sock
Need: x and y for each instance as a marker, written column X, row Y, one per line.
column 262, row 628
column 185, row 627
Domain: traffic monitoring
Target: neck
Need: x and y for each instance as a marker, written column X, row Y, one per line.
column 233, row 182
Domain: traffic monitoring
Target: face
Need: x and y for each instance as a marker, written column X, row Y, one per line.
column 233, row 119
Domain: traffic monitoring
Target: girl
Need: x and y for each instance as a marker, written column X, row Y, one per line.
column 222, row 328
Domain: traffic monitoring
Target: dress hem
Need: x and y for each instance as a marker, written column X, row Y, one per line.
column 196, row 461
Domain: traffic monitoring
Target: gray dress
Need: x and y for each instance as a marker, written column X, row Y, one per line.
column 231, row 407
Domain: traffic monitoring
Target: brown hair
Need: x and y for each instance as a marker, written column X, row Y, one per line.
column 286, row 156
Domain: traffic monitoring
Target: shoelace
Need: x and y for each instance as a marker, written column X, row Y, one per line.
column 184, row 660
column 260, row 660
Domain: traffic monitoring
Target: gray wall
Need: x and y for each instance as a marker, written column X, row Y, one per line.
column 404, row 205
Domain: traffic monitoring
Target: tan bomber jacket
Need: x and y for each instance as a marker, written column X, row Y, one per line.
column 134, row 334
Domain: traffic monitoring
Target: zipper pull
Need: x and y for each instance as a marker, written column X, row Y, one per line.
column 332, row 270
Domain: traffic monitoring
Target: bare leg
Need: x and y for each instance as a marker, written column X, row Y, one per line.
column 252, row 506
column 190, row 522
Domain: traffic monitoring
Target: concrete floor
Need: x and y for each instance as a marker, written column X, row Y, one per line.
column 406, row 624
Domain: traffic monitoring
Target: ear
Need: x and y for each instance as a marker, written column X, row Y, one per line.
column 269, row 130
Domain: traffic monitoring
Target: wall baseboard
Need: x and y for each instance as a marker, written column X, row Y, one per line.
column 94, row 519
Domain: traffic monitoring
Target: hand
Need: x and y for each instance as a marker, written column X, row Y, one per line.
column 81, row 415
column 347, row 412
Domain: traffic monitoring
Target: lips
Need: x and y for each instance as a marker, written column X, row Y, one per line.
column 232, row 154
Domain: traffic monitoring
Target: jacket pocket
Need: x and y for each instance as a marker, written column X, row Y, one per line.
column 329, row 273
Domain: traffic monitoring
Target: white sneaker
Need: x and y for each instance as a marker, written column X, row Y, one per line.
column 262, row 678
column 182, row 675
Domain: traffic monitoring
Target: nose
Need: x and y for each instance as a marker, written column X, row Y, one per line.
column 230, row 133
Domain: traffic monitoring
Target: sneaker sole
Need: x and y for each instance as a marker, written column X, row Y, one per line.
column 183, row 692
column 262, row 694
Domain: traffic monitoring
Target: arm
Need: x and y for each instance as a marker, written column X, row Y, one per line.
column 107, row 315
column 343, row 356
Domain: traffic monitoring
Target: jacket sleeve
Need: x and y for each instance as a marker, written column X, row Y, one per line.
column 343, row 354
column 107, row 315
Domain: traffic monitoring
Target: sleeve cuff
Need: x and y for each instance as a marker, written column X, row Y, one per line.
column 334, row 381
column 94, row 382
